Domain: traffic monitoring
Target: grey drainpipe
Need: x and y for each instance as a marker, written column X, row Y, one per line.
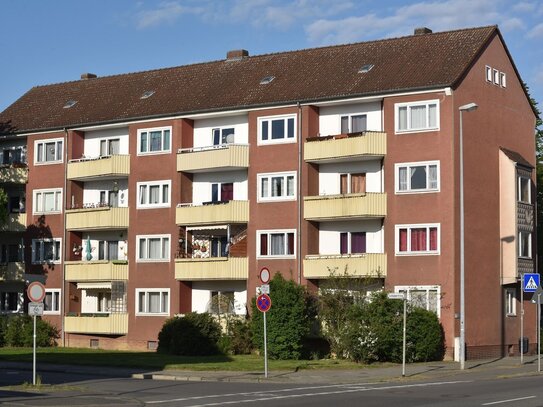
column 299, row 238
column 64, row 245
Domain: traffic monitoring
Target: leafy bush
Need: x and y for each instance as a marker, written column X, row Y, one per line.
column 191, row 335
column 241, row 337
column 288, row 321
column 424, row 337
column 18, row 330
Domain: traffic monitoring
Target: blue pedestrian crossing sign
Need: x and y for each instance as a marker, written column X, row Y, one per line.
column 530, row 282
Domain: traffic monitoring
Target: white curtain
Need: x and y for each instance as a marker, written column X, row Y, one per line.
column 143, row 194
column 402, row 118
column 154, row 248
column 432, row 115
column 277, row 186
column 418, row 117
column 402, row 182
column 432, row 176
column 290, row 185
column 277, row 244
column 154, row 302
column 154, row 194
column 264, row 188
column 165, row 194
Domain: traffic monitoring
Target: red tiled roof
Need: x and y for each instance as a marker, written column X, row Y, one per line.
column 414, row 62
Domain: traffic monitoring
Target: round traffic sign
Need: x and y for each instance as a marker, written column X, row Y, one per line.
column 36, row 291
column 264, row 275
column 263, row 302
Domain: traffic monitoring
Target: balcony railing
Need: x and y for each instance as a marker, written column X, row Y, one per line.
column 212, row 268
column 213, row 213
column 107, row 324
column 349, row 206
column 87, row 169
column 14, row 174
column 16, row 223
column 12, row 271
column 345, row 147
column 101, row 270
column 97, row 218
column 213, row 158
column 355, row 265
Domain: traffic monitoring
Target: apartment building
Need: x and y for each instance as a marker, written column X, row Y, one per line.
column 141, row 196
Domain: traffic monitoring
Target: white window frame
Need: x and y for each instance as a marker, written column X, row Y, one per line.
column 409, row 106
column 350, row 121
column 272, row 232
column 222, row 139
column 428, row 289
column 55, row 292
column 496, row 77
column 283, row 140
column 271, row 175
column 37, row 203
column 41, row 160
column 38, row 251
column 521, row 236
column 146, row 312
column 154, row 129
column 20, row 303
column 409, row 227
column 503, row 81
column 410, row 165
column 522, row 179
column 510, row 302
column 165, row 257
column 148, row 184
column 488, row 73
column 108, row 142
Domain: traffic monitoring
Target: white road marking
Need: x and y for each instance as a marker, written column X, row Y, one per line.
column 272, row 394
column 508, row 401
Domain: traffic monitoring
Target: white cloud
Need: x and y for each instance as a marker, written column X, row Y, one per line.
column 166, row 12
column 512, row 24
column 536, row 32
column 524, row 7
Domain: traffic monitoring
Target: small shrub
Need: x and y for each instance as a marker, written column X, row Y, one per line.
column 241, row 337
column 19, row 331
column 424, row 336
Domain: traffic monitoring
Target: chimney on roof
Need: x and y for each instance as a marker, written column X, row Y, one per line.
column 422, row 31
column 86, row 75
column 237, row 54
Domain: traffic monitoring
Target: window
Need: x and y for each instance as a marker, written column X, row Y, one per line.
column 488, row 73
column 417, row 239
column 108, row 250
column 353, row 123
column 223, row 136
column 426, row 297
column 417, row 116
column 109, row 198
column 152, row 301
column 277, row 129
column 48, row 151
column 10, row 253
column 417, row 177
column 503, row 83
column 496, row 74
column 153, row 248
column 525, row 245
column 524, row 194
column 46, row 250
column 510, row 302
column 14, row 156
column 275, row 243
column 277, row 187
column 47, row 201
column 352, row 183
column 153, row 194
column 154, row 141
column 51, row 303
column 352, row 242
column 109, row 147
column 11, row 301
column 222, row 192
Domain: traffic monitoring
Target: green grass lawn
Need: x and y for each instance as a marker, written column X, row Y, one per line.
column 155, row 361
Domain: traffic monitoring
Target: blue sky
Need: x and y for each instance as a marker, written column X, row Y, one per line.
column 50, row 41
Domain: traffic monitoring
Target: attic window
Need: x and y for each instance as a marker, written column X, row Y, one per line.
column 70, row 103
column 267, row 79
column 147, row 94
column 365, row 68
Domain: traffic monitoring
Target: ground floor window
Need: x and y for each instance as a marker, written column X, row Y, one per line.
column 11, row 301
column 152, row 301
column 51, row 302
column 426, row 296
column 510, row 302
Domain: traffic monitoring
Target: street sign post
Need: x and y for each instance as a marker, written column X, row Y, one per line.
column 265, row 275
column 402, row 296
column 36, row 291
column 36, row 294
column 263, row 303
column 530, row 282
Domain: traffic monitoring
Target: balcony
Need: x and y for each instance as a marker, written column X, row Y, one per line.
column 13, row 271
column 213, row 213
column 97, row 218
column 106, row 324
column 345, row 147
column 355, row 265
column 213, row 158
column 340, row 207
column 113, row 166
column 16, row 223
column 212, row 268
column 101, row 270
column 14, row 174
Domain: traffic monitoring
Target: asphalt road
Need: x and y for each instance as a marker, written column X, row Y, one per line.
column 87, row 390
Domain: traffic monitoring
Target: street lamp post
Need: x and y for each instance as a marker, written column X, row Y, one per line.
column 465, row 108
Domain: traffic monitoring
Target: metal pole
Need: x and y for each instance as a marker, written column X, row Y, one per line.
column 538, row 332
column 404, row 330
column 462, row 288
column 265, row 350
column 34, row 354
column 521, row 347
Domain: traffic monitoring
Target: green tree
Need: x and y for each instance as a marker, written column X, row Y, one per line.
column 3, row 207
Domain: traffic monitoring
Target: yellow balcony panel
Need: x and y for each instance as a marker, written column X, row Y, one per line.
column 110, row 166
column 13, row 271
column 355, row 265
column 215, row 213
column 216, row 268
column 345, row 148
column 16, row 223
column 97, row 218
column 14, row 175
column 107, row 324
column 213, row 158
column 101, row 270
column 349, row 206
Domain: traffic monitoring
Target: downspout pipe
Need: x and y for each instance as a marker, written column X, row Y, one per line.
column 299, row 237
column 64, row 245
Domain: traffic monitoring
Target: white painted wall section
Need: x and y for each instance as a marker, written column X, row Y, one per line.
column 201, row 294
column 330, row 117
column 201, row 185
column 203, row 129
column 329, row 235
column 329, row 175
